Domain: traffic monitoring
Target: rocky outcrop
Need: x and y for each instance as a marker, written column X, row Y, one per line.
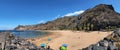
column 99, row 17
column 27, row 27
column 12, row 42
column 111, row 42
column 17, row 43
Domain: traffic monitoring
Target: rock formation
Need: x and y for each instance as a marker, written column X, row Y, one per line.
column 111, row 42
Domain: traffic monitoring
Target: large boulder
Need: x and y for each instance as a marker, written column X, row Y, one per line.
column 98, row 48
column 103, row 43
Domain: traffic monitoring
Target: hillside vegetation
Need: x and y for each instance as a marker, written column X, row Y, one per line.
column 100, row 17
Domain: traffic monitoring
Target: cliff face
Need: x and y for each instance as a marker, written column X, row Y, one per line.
column 99, row 17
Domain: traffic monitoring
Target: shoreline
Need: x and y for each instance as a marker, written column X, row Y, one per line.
column 44, row 38
column 75, row 39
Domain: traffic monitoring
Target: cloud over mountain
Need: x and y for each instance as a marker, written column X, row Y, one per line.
column 41, row 21
column 74, row 13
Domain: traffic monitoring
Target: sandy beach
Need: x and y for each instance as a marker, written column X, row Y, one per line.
column 75, row 39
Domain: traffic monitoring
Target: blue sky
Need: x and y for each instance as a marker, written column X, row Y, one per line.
column 29, row 12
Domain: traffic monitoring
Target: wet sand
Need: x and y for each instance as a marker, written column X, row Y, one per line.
column 75, row 39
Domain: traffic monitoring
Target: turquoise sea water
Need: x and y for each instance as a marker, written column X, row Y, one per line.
column 27, row 33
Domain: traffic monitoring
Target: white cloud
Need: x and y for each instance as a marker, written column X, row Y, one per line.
column 41, row 21
column 58, row 16
column 74, row 13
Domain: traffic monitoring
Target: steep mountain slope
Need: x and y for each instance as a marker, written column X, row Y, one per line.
column 99, row 17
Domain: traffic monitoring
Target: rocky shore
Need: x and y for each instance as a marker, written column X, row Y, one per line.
column 111, row 42
column 12, row 42
column 16, row 43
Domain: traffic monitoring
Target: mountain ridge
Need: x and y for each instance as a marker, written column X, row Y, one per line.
column 101, row 16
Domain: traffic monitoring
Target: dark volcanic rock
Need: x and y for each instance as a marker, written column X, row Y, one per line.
column 99, row 48
column 16, row 43
column 117, row 32
column 103, row 43
column 110, row 42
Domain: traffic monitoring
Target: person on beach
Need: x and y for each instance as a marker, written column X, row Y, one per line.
column 48, row 48
column 63, row 47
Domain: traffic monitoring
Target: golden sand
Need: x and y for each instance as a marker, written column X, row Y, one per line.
column 75, row 39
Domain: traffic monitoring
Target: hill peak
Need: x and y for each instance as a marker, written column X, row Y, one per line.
column 104, row 6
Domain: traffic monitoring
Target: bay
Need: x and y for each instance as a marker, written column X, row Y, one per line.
column 26, row 33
